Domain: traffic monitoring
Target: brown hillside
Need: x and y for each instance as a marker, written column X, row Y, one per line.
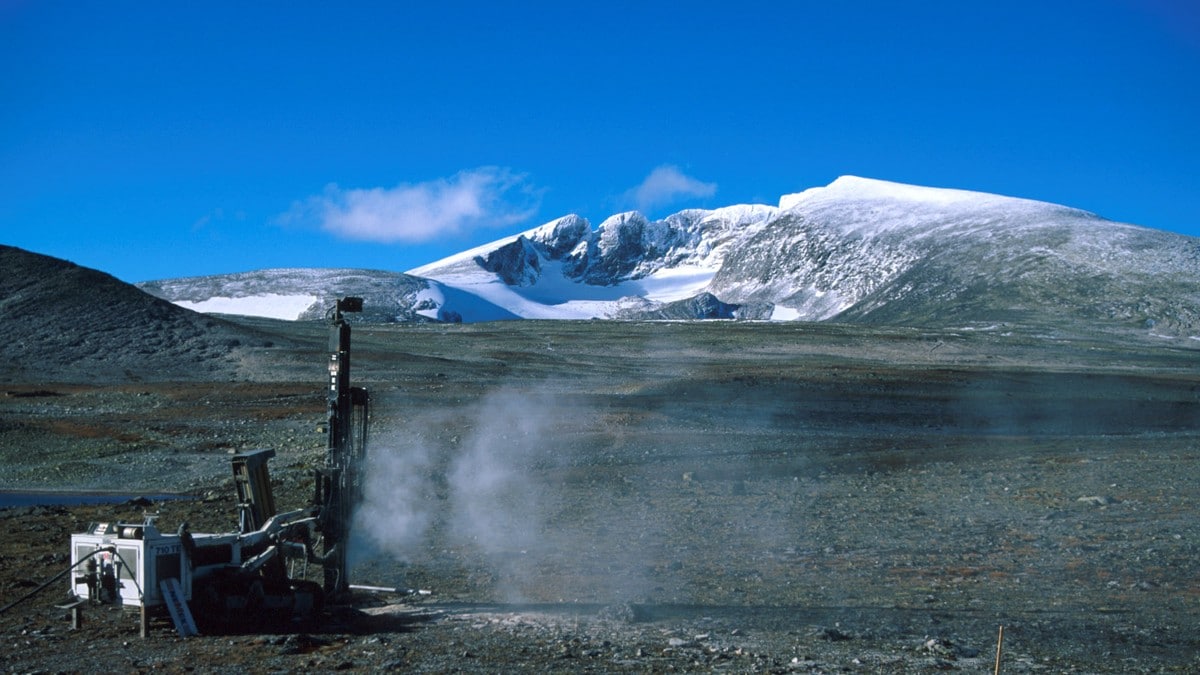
column 60, row 322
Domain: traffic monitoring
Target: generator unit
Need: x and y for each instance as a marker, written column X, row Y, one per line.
column 125, row 563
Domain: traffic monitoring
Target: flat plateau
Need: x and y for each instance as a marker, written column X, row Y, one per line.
column 653, row 497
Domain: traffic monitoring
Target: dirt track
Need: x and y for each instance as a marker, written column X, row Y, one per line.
column 622, row 497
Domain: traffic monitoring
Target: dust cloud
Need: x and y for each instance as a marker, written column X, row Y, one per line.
column 577, row 491
column 465, row 481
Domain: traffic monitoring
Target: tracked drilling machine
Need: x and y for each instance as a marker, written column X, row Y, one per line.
column 244, row 575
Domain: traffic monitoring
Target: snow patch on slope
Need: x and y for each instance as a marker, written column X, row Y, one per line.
column 269, row 305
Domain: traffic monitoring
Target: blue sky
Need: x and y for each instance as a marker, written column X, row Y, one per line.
column 162, row 139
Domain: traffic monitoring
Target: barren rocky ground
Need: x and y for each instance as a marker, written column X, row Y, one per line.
column 625, row 497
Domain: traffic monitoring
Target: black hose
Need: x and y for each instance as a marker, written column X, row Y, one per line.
column 39, row 589
column 141, row 593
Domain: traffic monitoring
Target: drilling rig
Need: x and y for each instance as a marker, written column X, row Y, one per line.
column 245, row 575
column 339, row 482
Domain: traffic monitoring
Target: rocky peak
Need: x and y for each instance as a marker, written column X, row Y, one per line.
column 516, row 263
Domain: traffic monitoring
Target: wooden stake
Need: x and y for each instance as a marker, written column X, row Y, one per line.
column 999, row 646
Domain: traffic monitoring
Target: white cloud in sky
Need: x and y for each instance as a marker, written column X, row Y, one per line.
column 667, row 184
column 418, row 212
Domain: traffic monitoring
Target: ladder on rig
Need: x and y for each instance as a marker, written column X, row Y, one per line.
column 172, row 593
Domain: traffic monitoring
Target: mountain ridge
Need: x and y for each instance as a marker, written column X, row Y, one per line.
column 858, row 249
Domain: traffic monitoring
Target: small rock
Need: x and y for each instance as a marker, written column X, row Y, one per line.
column 834, row 635
column 625, row 612
column 946, row 649
column 938, row 647
column 302, row 643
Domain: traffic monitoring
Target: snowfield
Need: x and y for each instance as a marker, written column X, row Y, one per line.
column 269, row 305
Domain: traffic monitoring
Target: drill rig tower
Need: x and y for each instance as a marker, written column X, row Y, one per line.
column 339, row 481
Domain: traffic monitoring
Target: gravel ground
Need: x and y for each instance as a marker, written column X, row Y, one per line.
column 721, row 497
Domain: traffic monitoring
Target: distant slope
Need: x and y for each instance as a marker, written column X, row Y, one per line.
column 60, row 322
column 857, row 250
column 306, row 293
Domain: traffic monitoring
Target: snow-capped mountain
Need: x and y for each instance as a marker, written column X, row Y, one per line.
column 864, row 250
column 627, row 265
column 855, row 250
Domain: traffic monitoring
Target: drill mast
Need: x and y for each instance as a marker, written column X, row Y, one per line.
column 339, row 481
